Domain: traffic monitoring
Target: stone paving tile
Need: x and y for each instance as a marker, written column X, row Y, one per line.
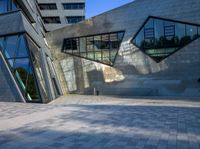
column 101, row 123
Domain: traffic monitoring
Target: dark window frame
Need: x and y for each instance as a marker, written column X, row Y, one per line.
column 170, row 20
column 111, row 63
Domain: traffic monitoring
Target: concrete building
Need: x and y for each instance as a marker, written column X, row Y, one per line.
column 58, row 13
column 144, row 48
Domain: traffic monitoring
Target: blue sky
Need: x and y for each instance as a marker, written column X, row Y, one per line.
column 95, row 7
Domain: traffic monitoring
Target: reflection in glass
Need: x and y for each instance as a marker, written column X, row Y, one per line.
column 37, row 66
column 11, row 44
column 15, row 51
column 7, row 5
column 100, row 48
column 159, row 38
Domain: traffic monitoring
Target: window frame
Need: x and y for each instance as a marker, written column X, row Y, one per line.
column 164, row 19
column 93, row 50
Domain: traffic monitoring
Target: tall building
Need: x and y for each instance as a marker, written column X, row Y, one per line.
column 58, row 13
column 144, row 48
column 27, row 72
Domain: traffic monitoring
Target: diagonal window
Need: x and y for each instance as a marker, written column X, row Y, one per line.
column 101, row 48
column 16, row 53
column 159, row 38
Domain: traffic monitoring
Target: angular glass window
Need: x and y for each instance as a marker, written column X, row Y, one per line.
column 159, row 38
column 102, row 48
column 15, row 50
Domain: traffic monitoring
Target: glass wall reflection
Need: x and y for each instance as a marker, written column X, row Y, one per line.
column 101, row 48
column 160, row 38
column 16, row 53
column 7, row 5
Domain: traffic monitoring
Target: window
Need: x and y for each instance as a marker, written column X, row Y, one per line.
column 53, row 20
column 69, row 6
column 101, row 48
column 74, row 19
column 16, row 52
column 159, row 38
column 48, row 6
column 7, row 5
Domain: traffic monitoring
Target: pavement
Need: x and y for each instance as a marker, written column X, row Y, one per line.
column 98, row 122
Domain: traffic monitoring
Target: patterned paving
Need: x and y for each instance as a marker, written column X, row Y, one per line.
column 89, row 122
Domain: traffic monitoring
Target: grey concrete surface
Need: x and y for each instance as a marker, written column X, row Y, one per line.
column 89, row 122
column 134, row 73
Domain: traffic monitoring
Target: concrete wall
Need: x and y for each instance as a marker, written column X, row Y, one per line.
column 60, row 12
column 134, row 74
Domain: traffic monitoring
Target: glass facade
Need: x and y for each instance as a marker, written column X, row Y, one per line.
column 159, row 38
column 7, row 5
column 17, row 55
column 101, row 48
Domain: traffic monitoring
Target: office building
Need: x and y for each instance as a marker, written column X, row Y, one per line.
column 58, row 13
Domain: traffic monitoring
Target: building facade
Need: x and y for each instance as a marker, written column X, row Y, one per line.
column 27, row 72
column 58, row 13
column 140, row 49
column 145, row 48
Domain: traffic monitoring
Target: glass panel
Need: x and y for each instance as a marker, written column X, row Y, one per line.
column 97, row 47
column 180, row 34
column 14, row 6
column 1, row 43
column 164, row 38
column 21, row 70
column 120, row 36
column 22, row 48
column 90, row 47
column 150, row 23
column 159, row 33
column 100, row 48
column 83, row 46
column 32, row 92
column 11, row 45
column 39, row 77
column 75, row 46
column 106, row 57
column 191, row 31
column 3, row 6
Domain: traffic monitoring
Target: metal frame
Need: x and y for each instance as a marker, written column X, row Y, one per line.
column 30, row 63
column 170, row 20
column 86, row 36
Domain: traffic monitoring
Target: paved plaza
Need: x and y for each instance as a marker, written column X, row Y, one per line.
column 89, row 122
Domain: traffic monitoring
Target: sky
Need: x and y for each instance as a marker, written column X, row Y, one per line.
column 95, row 7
